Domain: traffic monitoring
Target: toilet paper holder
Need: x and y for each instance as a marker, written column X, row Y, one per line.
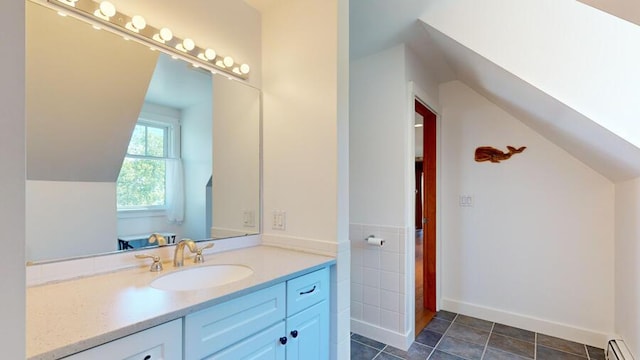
column 373, row 240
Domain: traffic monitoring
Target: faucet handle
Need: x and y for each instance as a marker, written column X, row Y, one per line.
column 156, row 266
column 199, row 258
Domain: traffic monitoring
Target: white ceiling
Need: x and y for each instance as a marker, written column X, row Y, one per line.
column 625, row 9
column 379, row 24
column 600, row 149
column 375, row 25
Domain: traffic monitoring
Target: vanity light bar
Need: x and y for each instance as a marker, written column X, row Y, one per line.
column 105, row 15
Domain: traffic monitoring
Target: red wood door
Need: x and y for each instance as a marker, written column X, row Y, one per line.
column 429, row 204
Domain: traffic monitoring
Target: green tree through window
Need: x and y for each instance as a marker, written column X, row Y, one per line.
column 142, row 179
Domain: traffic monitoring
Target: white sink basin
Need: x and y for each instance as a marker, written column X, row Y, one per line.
column 201, row 277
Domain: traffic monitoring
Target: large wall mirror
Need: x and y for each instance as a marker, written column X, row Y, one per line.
column 124, row 142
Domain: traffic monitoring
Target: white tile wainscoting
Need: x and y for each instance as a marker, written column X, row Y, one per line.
column 379, row 283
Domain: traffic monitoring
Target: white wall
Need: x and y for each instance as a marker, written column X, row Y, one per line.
column 304, row 133
column 68, row 218
column 536, row 248
column 77, row 131
column 552, row 44
column 196, row 130
column 12, row 177
column 377, row 140
column 236, row 158
column 376, row 194
column 381, row 191
column 627, row 264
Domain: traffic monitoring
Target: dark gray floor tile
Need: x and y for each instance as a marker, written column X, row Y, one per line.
column 439, row 355
column 417, row 351
column 474, row 322
column 595, row 353
column 513, row 332
column 428, row 338
column 511, row 345
column 460, row 348
column 467, row 333
column 494, row 354
column 545, row 353
column 387, row 356
column 445, row 315
column 561, row 344
column 438, row 325
column 367, row 341
column 362, row 352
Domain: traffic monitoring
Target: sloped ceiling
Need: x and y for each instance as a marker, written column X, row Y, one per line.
column 84, row 91
column 600, row 149
column 628, row 10
column 376, row 25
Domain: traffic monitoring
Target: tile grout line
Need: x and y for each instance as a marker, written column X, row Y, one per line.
column 486, row 345
column 587, row 351
column 378, row 350
column 443, row 335
column 566, row 352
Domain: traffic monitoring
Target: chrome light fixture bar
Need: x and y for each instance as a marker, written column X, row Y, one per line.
column 103, row 15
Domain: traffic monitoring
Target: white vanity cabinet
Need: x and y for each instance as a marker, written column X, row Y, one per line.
column 163, row 342
column 308, row 316
column 289, row 320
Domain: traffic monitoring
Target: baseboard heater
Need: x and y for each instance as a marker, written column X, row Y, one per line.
column 618, row 350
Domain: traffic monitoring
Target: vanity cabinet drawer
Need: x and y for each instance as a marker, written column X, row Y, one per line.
column 307, row 290
column 160, row 342
column 211, row 330
column 264, row 345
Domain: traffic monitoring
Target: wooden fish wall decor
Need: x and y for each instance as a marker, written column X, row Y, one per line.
column 488, row 153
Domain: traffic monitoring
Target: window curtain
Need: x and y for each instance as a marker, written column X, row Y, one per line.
column 175, row 191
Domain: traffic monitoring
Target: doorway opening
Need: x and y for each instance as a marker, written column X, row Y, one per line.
column 425, row 210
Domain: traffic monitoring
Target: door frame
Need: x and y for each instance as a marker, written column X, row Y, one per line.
column 416, row 93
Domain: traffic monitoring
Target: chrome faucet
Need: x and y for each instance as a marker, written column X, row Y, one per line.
column 178, row 255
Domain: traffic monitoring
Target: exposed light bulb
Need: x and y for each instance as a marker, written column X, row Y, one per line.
column 186, row 45
column 165, row 34
column 228, row 61
column 136, row 24
column 105, row 11
column 209, row 54
column 244, row 68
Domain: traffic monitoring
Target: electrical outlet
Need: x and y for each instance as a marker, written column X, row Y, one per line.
column 279, row 220
column 466, row 201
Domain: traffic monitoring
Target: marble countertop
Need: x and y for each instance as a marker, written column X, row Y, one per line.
column 71, row 316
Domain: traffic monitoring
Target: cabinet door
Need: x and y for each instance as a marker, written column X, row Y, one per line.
column 158, row 343
column 308, row 334
column 264, row 345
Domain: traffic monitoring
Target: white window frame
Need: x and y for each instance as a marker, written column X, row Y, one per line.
column 161, row 116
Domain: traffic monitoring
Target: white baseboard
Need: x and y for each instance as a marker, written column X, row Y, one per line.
column 389, row 337
column 565, row 331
